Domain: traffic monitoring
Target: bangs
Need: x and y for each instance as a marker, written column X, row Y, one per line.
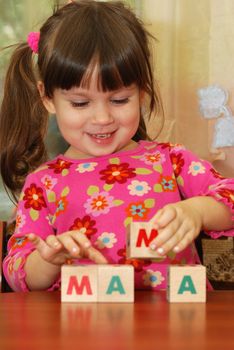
column 89, row 42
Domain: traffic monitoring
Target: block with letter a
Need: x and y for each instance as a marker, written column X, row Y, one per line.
column 139, row 237
column 97, row 283
column 186, row 283
column 116, row 283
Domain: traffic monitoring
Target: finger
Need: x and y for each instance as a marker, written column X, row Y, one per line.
column 94, row 255
column 183, row 244
column 42, row 247
column 37, row 241
column 186, row 240
column 81, row 239
column 166, row 215
column 156, row 218
column 53, row 242
column 173, row 242
column 87, row 249
column 70, row 245
column 164, row 235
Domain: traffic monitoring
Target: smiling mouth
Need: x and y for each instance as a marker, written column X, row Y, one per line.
column 101, row 136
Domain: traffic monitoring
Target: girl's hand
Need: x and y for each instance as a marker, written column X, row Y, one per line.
column 69, row 245
column 178, row 224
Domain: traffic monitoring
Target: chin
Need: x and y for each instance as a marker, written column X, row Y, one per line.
column 101, row 153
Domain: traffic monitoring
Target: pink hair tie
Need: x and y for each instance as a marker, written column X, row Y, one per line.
column 33, row 40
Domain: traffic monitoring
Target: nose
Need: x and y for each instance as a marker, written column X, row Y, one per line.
column 102, row 114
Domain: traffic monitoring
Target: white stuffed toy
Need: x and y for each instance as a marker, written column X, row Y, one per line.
column 212, row 102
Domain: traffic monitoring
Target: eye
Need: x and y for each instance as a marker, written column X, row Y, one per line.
column 79, row 104
column 119, row 101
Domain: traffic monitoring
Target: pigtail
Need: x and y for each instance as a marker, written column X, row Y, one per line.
column 23, row 121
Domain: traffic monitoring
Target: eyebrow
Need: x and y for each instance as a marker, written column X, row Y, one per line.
column 84, row 91
column 71, row 93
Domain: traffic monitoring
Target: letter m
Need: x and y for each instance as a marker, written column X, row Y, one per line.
column 79, row 288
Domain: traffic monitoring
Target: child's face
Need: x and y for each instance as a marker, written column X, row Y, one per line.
column 96, row 123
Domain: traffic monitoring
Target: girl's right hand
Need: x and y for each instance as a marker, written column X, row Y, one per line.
column 69, row 245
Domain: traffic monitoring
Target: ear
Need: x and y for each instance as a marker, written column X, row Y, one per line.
column 47, row 102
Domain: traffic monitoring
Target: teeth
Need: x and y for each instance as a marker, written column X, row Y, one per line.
column 101, row 136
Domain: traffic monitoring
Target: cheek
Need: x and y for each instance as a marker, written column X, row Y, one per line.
column 69, row 121
column 68, row 129
column 132, row 118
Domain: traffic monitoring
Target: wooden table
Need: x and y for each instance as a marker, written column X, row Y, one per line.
column 38, row 320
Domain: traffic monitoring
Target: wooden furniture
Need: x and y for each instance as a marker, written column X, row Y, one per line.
column 38, row 320
column 1, row 240
column 4, row 236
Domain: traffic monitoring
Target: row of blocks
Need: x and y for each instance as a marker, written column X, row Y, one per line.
column 115, row 283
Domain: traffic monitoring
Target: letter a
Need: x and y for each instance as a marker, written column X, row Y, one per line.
column 187, row 285
column 115, row 285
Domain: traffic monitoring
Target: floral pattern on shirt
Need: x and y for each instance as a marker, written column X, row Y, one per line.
column 34, row 198
column 60, row 166
column 85, row 225
column 99, row 203
column 49, row 182
column 138, row 211
column 168, row 183
column 86, row 167
column 228, row 194
column 106, row 240
column 100, row 198
column 153, row 158
column 177, row 162
column 20, row 221
column 196, row 168
column 18, row 242
column 138, row 264
column 117, row 173
column 152, row 278
column 138, row 188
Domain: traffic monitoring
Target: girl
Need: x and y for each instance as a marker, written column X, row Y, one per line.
column 90, row 66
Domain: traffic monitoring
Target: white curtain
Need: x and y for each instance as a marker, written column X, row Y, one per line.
column 195, row 49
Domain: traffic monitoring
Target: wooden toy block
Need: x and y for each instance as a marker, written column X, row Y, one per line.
column 116, row 283
column 79, row 283
column 186, row 283
column 139, row 237
column 97, row 283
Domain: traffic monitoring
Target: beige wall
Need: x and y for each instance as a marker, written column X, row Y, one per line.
column 195, row 49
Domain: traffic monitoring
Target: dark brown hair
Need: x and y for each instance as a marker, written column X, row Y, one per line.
column 74, row 38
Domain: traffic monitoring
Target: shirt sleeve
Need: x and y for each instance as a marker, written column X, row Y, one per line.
column 197, row 177
column 32, row 216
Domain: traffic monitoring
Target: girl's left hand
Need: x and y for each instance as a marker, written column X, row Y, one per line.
column 178, row 224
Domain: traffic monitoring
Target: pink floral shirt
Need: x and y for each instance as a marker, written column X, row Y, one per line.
column 101, row 196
